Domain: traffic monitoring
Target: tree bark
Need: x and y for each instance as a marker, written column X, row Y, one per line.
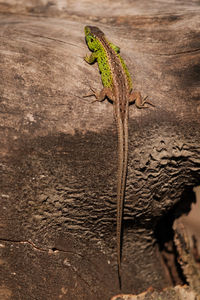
column 59, row 150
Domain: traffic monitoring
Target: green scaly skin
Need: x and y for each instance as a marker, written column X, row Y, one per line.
column 99, row 55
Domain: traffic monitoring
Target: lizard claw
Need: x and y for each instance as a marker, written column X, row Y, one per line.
column 91, row 94
column 143, row 103
column 94, row 93
column 147, row 101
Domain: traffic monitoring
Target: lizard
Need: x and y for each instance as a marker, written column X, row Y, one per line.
column 117, row 87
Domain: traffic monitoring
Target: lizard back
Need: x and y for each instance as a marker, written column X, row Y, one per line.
column 114, row 73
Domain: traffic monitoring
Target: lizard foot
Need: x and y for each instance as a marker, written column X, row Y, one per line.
column 143, row 103
column 99, row 96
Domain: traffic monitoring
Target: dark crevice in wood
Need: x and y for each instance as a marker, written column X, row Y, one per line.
column 164, row 234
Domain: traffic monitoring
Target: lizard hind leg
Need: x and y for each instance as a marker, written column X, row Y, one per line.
column 100, row 96
column 139, row 101
column 92, row 93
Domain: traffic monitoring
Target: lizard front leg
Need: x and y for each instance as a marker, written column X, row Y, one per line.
column 90, row 59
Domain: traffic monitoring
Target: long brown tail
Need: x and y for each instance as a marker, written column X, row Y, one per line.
column 122, row 126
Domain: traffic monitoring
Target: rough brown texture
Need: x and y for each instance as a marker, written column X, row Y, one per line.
column 58, row 150
column 186, row 257
column 176, row 293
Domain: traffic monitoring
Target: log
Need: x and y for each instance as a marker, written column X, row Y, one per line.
column 59, row 150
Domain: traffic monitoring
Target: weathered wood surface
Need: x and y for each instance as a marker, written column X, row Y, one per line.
column 176, row 293
column 58, row 150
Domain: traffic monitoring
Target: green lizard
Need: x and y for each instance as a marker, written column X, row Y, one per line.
column 117, row 86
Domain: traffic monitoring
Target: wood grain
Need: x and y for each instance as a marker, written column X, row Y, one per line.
column 58, row 149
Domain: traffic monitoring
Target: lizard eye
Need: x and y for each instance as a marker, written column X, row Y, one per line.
column 91, row 40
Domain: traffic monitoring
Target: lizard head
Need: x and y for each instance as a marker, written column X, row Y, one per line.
column 92, row 36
